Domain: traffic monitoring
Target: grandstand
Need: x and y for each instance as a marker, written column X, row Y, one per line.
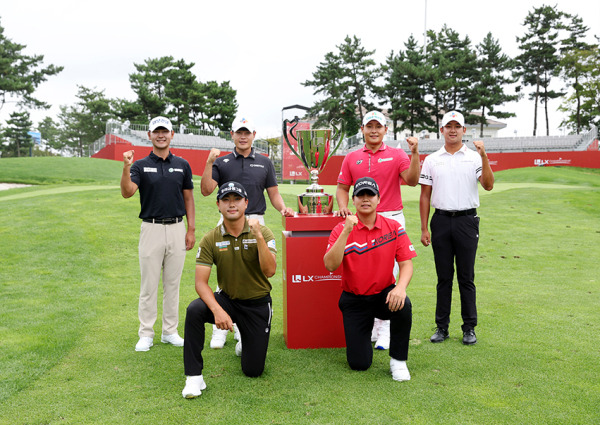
column 574, row 142
column 191, row 138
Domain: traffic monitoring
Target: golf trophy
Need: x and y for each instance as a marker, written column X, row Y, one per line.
column 314, row 149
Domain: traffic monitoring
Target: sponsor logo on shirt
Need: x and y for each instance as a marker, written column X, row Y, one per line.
column 222, row 245
column 177, row 170
column 412, row 248
column 272, row 244
column 385, row 159
column 257, row 165
column 198, row 253
column 358, row 162
column 150, row 170
column 226, row 160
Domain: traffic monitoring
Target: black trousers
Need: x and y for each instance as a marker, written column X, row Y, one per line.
column 359, row 313
column 253, row 319
column 455, row 239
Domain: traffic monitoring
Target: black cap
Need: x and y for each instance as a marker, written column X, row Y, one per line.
column 232, row 187
column 365, row 183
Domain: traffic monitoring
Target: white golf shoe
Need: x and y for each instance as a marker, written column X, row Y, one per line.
column 193, row 386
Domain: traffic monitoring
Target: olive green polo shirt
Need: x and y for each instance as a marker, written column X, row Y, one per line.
column 238, row 270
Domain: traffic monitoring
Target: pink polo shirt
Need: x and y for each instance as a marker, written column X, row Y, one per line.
column 369, row 255
column 384, row 166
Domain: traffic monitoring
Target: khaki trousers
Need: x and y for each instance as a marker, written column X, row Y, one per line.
column 161, row 248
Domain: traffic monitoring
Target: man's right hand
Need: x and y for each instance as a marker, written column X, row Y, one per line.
column 128, row 157
column 214, row 154
column 351, row 221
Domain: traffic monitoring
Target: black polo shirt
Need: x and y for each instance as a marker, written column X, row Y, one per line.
column 161, row 184
column 255, row 172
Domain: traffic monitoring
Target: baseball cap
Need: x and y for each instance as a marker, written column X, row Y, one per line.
column 232, row 187
column 365, row 183
column 242, row 122
column 374, row 115
column 453, row 116
column 160, row 122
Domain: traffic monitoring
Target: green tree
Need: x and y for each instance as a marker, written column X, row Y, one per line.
column 488, row 89
column 214, row 106
column 452, row 61
column 85, row 122
column 16, row 134
column 346, row 80
column 51, row 133
column 582, row 105
column 20, row 74
column 126, row 110
column 406, row 75
column 574, row 69
column 149, row 84
column 539, row 60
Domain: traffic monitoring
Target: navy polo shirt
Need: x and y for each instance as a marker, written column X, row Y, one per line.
column 161, row 183
column 254, row 172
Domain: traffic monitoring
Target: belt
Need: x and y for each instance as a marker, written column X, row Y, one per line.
column 168, row 220
column 472, row 211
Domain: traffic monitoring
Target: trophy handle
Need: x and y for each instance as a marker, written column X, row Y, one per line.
column 295, row 121
column 339, row 134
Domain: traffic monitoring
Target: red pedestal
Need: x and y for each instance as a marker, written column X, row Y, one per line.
column 311, row 316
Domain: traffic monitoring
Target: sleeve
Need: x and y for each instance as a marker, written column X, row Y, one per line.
column 188, row 182
column 335, row 234
column 403, row 161
column 404, row 247
column 425, row 176
column 269, row 239
column 478, row 166
column 271, row 179
column 135, row 173
column 205, row 254
column 345, row 176
column 216, row 175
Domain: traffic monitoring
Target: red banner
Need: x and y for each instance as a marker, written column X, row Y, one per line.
column 293, row 169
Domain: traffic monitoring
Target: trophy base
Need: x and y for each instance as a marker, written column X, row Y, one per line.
column 312, row 203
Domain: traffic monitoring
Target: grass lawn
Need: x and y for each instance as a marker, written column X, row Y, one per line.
column 69, row 286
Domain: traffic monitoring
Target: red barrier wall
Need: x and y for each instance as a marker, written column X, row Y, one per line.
column 498, row 161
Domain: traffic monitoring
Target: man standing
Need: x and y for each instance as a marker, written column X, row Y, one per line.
column 449, row 184
column 244, row 253
column 255, row 172
column 367, row 245
column 387, row 166
column 166, row 195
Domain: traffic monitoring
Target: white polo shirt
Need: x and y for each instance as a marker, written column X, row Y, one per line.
column 453, row 178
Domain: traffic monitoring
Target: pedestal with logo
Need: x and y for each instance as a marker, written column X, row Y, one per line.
column 311, row 316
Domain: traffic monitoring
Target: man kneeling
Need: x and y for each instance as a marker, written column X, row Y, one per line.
column 366, row 245
column 244, row 253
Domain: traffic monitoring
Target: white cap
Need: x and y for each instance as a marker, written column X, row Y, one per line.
column 160, row 122
column 242, row 122
column 453, row 116
column 374, row 115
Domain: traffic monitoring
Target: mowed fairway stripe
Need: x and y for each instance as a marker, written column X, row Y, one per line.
column 55, row 191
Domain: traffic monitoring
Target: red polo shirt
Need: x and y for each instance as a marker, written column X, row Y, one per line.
column 384, row 166
column 369, row 255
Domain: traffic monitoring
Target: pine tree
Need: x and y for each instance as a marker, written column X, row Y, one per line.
column 16, row 133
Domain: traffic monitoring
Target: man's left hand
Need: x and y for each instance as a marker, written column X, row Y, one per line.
column 413, row 144
column 395, row 298
column 480, row 147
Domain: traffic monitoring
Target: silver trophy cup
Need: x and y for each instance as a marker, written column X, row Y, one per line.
column 314, row 150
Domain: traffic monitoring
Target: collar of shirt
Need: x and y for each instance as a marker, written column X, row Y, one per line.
column 381, row 148
column 360, row 225
column 157, row 158
column 462, row 149
column 236, row 154
column 246, row 229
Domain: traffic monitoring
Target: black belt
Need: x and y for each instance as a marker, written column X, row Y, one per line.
column 472, row 211
column 168, row 220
